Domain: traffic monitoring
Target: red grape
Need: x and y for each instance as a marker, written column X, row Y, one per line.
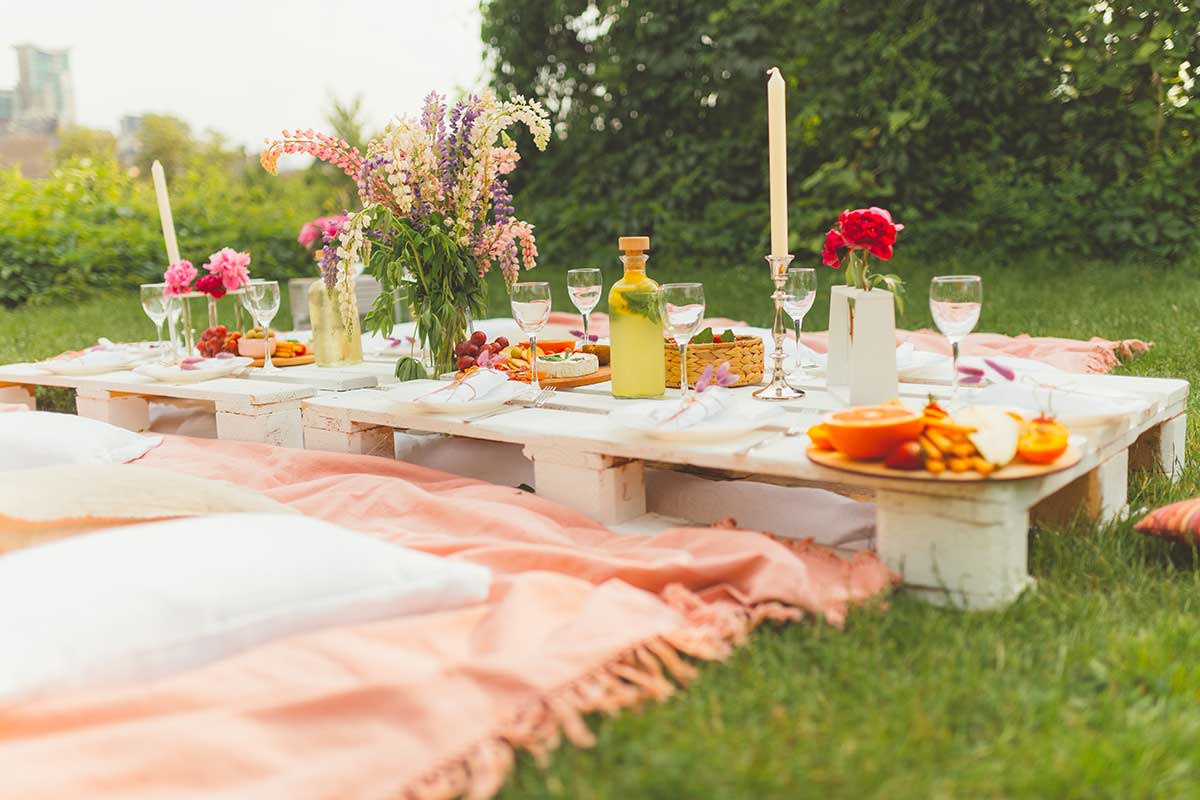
column 460, row 348
column 465, row 362
column 503, row 342
column 471, row 349
column 479, row 338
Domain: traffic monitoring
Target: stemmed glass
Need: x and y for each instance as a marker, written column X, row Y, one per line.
column 955, row 301
column 801, row 289
column 531, row 310
column 584, row 287
column 683, row 309
column 261, row 299
column 157, row 306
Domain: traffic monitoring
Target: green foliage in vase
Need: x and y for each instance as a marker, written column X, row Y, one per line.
column 431, row 272
column 1066, row 126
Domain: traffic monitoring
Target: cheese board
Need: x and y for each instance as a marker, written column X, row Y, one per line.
column 1015, row 471
column 601, row 375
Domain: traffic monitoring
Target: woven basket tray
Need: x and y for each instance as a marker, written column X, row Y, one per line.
column 746, row 357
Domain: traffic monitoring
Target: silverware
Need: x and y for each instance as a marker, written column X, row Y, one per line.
column 537, row 402
column 795, row 430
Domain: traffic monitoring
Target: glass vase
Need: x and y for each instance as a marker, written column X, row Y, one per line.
column 212, row 311
column 437, row 337
column 333, row 342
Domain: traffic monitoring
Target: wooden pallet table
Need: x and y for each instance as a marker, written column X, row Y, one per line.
column 246, row 409
column 366, row 375
column 953, row 543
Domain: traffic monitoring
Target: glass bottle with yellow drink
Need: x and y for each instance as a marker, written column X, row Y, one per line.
column 635, row 326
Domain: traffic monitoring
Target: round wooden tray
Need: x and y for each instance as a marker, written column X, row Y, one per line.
column 1017, row 470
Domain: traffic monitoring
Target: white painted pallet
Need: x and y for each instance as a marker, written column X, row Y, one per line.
column 366, row 375
column 246, row 410
column 955, row 543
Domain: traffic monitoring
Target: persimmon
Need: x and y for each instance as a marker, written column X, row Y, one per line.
column 1044, row 441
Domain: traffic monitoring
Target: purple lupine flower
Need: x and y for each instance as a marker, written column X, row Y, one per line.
column 502, row 201
column 328, row 263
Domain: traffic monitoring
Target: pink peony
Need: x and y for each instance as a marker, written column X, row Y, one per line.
column 309, row 234
column 231, row 266
column 179, row 277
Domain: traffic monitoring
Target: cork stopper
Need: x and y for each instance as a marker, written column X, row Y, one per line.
column 634, row 245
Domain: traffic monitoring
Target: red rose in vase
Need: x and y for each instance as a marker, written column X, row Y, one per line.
column 857, row 235
column 211, row 285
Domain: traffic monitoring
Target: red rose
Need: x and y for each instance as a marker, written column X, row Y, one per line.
column 829, row 255
column 211, row 285
column 869, row 229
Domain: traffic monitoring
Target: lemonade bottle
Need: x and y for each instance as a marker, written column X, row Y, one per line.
column 635, row 327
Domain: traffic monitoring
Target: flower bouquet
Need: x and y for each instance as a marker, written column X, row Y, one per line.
column 228, row 270
column 436, row 213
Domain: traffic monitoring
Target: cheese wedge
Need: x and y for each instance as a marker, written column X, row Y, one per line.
column 576, row 366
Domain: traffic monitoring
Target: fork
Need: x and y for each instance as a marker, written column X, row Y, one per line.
column 542, row 397
column 795, row 430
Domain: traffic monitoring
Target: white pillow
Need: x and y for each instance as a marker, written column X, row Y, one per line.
column 46, row 439
column 141, row 602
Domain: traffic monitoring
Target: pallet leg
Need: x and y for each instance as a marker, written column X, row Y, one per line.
column 365, row 440
column 972, row 555
column 1099, row 496
column 19, row 394
column 1162, row 449
column 125, row 411
column 279, row 427
column 607, row 489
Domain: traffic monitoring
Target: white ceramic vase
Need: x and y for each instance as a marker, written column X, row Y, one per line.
column 862, row 344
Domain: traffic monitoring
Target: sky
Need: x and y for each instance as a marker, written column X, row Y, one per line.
column 249, row 69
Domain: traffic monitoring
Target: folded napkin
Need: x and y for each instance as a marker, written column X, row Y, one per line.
column 700, row 407
column 477, row 385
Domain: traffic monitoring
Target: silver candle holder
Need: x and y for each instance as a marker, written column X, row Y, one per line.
column 779, row 388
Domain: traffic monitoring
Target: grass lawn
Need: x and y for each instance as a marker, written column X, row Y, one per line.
column 1087, row 687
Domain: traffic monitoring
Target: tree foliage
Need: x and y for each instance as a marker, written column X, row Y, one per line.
column 80, row 142
column 1005, row 124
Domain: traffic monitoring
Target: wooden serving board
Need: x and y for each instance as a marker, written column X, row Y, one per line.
column 599, row 376
column 1017, row 470
column 308, row 358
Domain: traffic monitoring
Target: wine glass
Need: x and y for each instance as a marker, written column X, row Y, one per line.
column 584, row 286
column 156, row 305
column 683, row 309
column 531, row 310
column 261, row 299
column 955, row 301
column 801, row 289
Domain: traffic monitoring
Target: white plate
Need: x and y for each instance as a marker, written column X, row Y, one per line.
column 730, row 424
column 209, row 368
column 94, row 363
column 410, row 394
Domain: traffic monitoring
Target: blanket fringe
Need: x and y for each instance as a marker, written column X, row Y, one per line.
column 651, row 671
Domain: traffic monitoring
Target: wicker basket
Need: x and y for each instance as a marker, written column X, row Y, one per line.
column 745, row 354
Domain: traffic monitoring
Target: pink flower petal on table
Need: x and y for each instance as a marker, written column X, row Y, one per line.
column 1001, row 370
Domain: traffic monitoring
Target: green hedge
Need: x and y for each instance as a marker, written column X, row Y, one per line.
column 92, row 226
column 1068, row 126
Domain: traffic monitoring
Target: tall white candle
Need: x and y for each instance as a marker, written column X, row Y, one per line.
column 777, row 141
column 164, row 212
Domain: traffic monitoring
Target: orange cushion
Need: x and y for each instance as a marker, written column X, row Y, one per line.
column 1179, row 521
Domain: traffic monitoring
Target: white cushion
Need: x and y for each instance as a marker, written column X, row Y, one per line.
column 136, row 603
column 46, row 439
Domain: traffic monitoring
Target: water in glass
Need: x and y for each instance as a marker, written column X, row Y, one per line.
column 800, row 294
column 683, row 310
column 955, row 302
column 584, row 287
column 531, row 310
column 261, row 299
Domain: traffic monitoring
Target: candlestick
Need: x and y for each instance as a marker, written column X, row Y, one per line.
column 777, row 145
column 164, row 212
column 778, row 388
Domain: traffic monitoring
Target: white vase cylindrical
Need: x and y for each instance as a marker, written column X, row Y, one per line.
column 862, row 344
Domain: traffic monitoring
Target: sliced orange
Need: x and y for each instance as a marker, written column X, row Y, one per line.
column 819, row 436
column 1044, row 442
column 870, row 433
column 553, row 346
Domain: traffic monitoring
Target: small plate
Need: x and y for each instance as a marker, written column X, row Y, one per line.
column 97, row 362
column 209, row 368
column 409, row 394
column 730, row 424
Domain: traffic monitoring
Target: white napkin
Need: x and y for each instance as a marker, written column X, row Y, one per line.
column 1072, row 406
column 97, row 358
column 704, row 405
column 476, row 386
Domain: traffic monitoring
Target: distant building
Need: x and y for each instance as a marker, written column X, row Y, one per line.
column 44, row 98
column 127, row 137
column 8, row 108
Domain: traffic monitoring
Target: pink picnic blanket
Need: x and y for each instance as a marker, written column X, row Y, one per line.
column 579, row 620
column 1069, row 355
